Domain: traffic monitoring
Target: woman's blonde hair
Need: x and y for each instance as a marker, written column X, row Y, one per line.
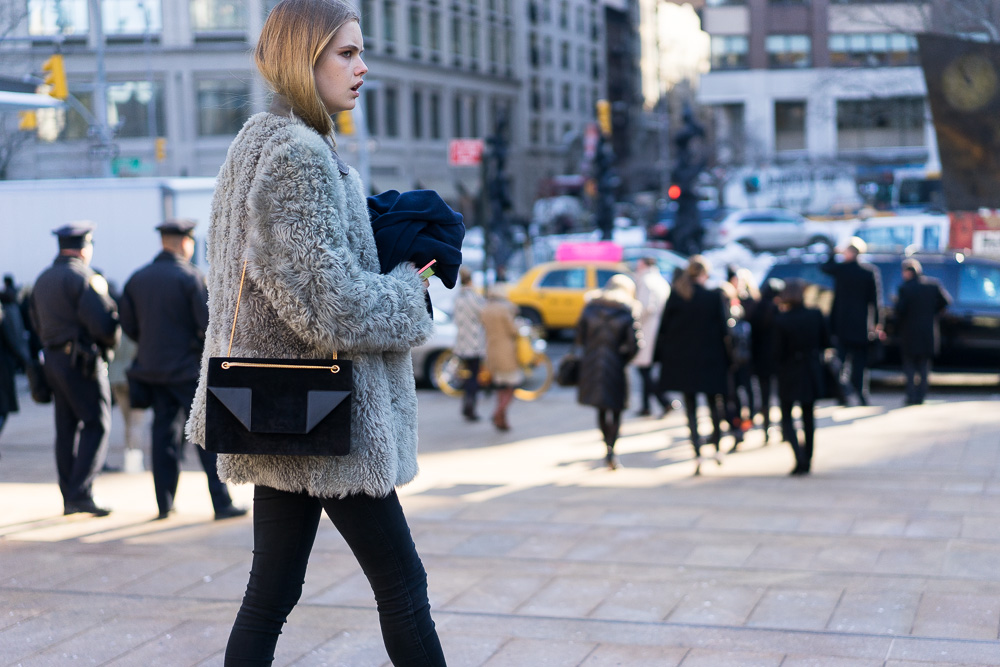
column 294, row 36
column 697, row 267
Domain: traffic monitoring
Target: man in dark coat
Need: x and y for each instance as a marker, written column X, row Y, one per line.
column 918, row 305
column 854, row 318
column 164, row 308
column 77, row 322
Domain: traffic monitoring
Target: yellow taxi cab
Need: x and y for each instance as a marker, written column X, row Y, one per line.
column 551, row 294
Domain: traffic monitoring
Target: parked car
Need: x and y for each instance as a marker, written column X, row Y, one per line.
column 897, row 233
column 767, row 229
column 440, row 341
column 970, row 327
column 550, row 294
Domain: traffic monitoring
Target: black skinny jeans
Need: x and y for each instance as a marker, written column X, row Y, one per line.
column 803, row 452
column 284, row 526
column 691, row 407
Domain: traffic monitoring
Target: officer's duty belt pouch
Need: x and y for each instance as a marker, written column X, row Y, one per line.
column 296, row 407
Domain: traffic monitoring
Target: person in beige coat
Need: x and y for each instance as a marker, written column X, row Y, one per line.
column 501, row 353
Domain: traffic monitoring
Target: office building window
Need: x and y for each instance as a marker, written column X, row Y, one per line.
column 367, row 19
column 564, row 55
column 434, row 34
column 890, row 122
column 547, row 51
column 456, row 38
column 567, row 97
column 391, row 112
column 66, row 124
column 389, row 25
column 371, row 112
column 474, row 117
column 474, row 43
column 789, row 126
column 223, row 106
column 873, row 50
column 550, row 98
column 218, row 15
column 457, row 108
column 416, row 31
column 564, row 15
column 788, row 51
column 535, row 132
column 729, row 51
column 435, row 115
column 418, row 115
column 71, row 17
column 536, row 96
column 129, row 109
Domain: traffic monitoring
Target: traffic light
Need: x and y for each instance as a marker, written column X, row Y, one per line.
column 674, row 191
column 55, row 76
column 345, row 123
column 27, row 121
column 604, row 117
column 161, row 149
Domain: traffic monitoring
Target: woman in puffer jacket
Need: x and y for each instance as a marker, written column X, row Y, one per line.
column 607, row 337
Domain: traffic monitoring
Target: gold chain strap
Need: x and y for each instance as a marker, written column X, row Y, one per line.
column 229, row 352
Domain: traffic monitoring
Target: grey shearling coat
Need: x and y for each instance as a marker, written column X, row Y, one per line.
column 312, row 287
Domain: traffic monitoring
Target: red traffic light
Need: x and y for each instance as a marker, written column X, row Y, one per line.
column 674, row 192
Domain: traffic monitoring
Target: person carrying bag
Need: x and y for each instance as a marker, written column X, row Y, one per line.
column 288, row 207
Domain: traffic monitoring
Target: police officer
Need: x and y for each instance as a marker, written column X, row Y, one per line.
column 164, row 308
column 77, row 322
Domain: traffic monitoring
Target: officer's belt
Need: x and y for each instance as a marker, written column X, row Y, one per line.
column 65, row 348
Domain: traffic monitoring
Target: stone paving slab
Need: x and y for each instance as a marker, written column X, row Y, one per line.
column 888, row 555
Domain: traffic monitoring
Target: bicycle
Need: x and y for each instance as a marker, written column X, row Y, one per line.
column 536, row 366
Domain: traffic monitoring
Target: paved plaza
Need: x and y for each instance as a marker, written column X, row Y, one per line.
column 887, row 556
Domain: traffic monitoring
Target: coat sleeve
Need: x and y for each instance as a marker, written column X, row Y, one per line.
column 199, row 304
column 99, row 314
column 301, row 260
column 126, row 313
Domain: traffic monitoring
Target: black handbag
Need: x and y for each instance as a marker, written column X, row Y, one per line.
column 568, row 371
column 295, row 407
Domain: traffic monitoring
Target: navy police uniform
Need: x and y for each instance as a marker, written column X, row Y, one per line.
column 164, row 308
column 77, row 322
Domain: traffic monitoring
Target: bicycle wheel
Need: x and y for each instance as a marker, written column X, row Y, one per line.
column 537, row 378
column 450, row 373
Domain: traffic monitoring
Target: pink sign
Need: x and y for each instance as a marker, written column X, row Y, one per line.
column 465, row 152
column 589, row 251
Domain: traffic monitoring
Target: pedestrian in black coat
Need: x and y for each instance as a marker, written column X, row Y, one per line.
column 691, row 348
column 800, row 337
column 761, row 320
column 854, row 317
column 164, row 309
column 918, row 304
column 77, row 323
column 13, row 354
column 607, row 336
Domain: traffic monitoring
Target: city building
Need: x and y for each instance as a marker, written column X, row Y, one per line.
column 179, row 83
column 819, row 84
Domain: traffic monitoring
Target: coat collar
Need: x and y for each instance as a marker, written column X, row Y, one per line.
column 281, row 107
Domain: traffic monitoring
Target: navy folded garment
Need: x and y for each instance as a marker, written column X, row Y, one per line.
column 417, row 226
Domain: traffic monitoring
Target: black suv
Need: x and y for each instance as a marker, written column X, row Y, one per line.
column 970, row 327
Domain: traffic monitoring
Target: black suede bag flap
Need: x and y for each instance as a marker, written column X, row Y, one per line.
column 297, row 407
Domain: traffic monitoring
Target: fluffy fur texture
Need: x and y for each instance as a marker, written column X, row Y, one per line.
column 312, row 287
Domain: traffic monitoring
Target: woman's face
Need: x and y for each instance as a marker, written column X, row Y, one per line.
column 339, row 69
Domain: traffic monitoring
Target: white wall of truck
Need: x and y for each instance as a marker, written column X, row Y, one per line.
column 125, row 212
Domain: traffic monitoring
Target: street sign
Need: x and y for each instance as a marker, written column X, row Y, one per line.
column 465, row 152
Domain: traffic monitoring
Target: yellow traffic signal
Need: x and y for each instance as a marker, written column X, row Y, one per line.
column 161, row 149
column 604, row 117
column 345, row 123
column 27, row 121
column 56, row 76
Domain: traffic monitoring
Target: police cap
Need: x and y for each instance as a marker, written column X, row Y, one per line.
column 177, row 227
column 75, row 235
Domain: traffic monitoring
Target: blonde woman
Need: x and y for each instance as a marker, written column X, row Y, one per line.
column 287, row 203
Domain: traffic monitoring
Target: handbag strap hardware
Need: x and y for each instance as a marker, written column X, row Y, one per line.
column 232, row 333
column 226, row 365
